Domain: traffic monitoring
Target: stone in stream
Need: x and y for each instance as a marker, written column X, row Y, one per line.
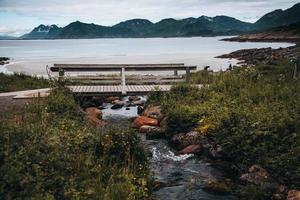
column 142, row 120
column 112, row 99
column 152, row 132
column 216, row 186
column 94, row 116
column 118, row 104
column 134, row 98
column 293, row 195
column 192, row 149
column 139, row 103
column 153, row 111
column 257, row 175
column 181, row 140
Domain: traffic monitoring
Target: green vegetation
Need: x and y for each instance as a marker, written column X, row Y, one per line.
column 16, row 82
column 50, row 151
column 253, row 113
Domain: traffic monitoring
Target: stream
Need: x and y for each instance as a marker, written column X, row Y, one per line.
column 180, row 177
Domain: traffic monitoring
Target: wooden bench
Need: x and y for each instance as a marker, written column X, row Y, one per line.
column 122, row 68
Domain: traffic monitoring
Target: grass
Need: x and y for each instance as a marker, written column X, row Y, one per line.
column 16, row 82
column 50, row 152
column 253, row 113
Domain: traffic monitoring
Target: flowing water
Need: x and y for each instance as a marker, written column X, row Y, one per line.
column 180, row 177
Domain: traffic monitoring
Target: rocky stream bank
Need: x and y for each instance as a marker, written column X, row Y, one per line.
column 188, row 165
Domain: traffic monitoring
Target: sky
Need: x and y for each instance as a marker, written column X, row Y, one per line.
column 20, row 16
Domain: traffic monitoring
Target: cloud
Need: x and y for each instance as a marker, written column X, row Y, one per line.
column 109, row 12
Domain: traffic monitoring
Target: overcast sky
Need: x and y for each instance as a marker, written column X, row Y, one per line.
column 20, row 16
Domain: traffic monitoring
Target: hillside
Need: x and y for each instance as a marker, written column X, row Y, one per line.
column 279, row 18
column 289, row 33
column 202, row 26
column 188, row 27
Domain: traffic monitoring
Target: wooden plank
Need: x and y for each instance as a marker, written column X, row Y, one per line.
column 118, row 67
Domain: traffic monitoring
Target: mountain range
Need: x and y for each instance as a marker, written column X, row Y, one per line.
column 142, row 28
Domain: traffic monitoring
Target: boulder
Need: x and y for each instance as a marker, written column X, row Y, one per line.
column 153, row 112
column 257, row 175
column 142, row 120
column 140, row 110
column 192, row 149
column 280, row 193
column 118, row 104
column 112, row 99
column 180, row 141
column 134, row 98
column 152, row 132
column 139, row 103
column 94, row 115
column 215, row 153
column 293, row 195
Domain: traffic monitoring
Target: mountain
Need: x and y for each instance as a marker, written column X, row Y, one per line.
column 201, row 26
column 43, row 32
column 288, row 33
column 279, row 18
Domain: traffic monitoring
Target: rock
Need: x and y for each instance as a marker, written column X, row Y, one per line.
column 142, row 120
column 153, row 112
column 139, row 103
column 127, row 108
column 216, row 186
column 152, row 132
column 134, row 98
column 111, row 99
column 215, row 153
column 280, row 193
column 182, row 140
column 293, row 195
column 140, row 109
column 257, row 175
column 118, row 104
column 192, row 149
column 94, row 116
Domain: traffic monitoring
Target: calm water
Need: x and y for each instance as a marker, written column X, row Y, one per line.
column 31, row 56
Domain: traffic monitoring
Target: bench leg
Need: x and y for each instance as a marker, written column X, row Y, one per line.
column 175, row 72
column 123, row 81
column 188, row 75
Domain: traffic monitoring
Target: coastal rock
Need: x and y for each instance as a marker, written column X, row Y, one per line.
column 293, row 195
column 153, row 112
column 192, row 149
column 183, row 140
column 152, row 132
column 94, row 115
column 142, row 120
column 257, row 175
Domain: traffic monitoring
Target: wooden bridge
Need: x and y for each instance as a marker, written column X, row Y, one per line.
column 120, row 84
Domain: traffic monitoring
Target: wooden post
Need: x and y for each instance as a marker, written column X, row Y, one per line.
column 61, row 74
column 175, row 72
column 123, row 81
column 296, row 69
column 188, row 75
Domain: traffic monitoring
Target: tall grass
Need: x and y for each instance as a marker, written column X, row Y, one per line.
column 17, row 82
column 253, row 113
column 51, row 152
